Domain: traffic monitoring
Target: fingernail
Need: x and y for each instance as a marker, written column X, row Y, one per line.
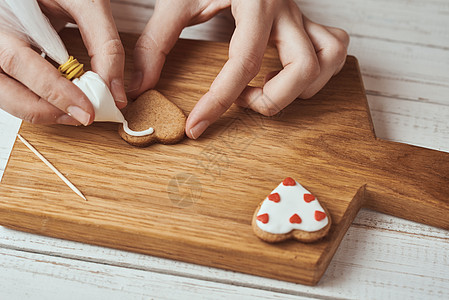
column 67, row 120
column 198, row 129
column 79, row 114
column 136, row 81
column 118, row 91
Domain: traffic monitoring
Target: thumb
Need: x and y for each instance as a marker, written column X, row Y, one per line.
column 103, row 44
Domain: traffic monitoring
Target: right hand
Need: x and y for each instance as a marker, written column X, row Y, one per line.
column 310, row 54
column 34, row 90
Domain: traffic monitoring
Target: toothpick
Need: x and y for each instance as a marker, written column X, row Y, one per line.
column 63, row 178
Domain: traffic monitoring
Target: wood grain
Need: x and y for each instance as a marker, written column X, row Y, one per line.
column 327, row 144
column 379, row 256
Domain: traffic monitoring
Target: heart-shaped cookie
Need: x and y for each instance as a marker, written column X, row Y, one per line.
column 291, row 212
column 152, row 109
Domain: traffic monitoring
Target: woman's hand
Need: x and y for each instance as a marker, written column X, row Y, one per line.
column 310, row 55
column 33, row 90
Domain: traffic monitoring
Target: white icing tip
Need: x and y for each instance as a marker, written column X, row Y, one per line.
column 136, row 133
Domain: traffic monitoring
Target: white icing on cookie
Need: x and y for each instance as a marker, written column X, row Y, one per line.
column 277, row 217
column 136, row 133
column 101, row 98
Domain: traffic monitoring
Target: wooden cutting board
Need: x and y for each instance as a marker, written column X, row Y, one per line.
column 193, row 201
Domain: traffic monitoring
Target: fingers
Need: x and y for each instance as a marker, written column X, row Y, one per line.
column 322, row 54
column 331, row 48
column 19, row 61
column 24, row 104
column 246, row 51
column 156, row 41
column 343, row 39
column 300, row 67
column 103, row 43
column 160, row 35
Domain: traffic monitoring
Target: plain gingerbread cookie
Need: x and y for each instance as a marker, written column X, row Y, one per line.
column 152, row 109
column 290, row 212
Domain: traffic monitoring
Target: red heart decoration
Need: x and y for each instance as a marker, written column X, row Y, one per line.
column 319, row 215
column 309, row 197
column 289, row 181
column 295, row 219
column 263, row 218
column 274, row 197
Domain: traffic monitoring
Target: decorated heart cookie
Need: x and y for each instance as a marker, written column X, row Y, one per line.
column 290, row 212
column 152, row 109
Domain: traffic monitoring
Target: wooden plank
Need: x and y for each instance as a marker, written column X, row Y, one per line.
column 419, row 73
column 400, row 21
column 410, row 22
column 48, row 277
column 118, row 213
column 410, row 122
column 132, row 17
column 394, row 123
column 379, row 256
column 154, row 227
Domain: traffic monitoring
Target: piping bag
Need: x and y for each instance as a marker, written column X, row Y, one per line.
column 24, row 19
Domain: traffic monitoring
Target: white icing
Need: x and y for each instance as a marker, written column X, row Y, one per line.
column 291, row 202
column 101, row 98
column 136, row 133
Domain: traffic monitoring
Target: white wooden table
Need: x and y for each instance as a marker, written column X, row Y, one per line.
column 403, row 50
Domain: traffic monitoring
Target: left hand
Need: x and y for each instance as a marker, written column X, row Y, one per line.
column 100, row 36
column 310, row 54
column 33, row 89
